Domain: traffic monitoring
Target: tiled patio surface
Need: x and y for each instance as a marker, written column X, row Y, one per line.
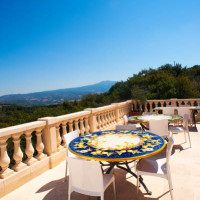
column 185, row 170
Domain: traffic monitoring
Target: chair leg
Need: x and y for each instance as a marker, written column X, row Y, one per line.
column 137, row 184
column 66, row 173
column 69, row 194
column 114, row 190
column 102, row 196
column 170, row 186
column 185, row 137
column 189, row 139
column 135, row 164
column 69, row 191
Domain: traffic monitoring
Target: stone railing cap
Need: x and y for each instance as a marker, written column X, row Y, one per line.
column 21, row 128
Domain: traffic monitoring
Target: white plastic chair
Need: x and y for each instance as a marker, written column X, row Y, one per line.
column 184, row 110
column 159, row 127
column 157, row 167
column 68, row 138
column 126, row 127
column 86, row 177
column 183, row 129
column 125, row 120
column 168, row 110
column 127, row 123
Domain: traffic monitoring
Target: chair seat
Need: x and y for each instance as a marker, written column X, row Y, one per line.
column 152, row 166
column 138, row 126
column 177, row 129
column 74, row 156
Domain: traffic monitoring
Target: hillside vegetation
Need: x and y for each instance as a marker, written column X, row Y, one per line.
column 163, row 83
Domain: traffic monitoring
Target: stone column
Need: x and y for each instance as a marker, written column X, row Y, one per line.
column 49, row 135
column 92, row 119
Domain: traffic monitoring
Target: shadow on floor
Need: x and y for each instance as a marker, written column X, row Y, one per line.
column 125, row 190
column 193, row 129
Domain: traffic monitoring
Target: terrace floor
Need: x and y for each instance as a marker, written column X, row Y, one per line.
column 185, row 170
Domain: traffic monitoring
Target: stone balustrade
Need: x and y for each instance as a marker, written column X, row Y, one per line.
column 40, row 145
column 150, row 104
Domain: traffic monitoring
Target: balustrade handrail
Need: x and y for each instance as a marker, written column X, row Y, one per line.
column 174, row 99
column 21, row 128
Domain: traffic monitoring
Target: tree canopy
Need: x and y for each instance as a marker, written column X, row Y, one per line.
column 166, row 82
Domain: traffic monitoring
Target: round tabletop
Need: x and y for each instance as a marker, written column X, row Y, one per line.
column 194, row 108
column 116, row 146
column 146, row 118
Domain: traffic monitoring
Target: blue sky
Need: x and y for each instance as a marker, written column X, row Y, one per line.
column 51, row 44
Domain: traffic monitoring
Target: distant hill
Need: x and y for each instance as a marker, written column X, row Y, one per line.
column 56, row 96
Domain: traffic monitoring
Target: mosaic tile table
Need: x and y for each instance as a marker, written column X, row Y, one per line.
column 146, row 118
column 117, row 147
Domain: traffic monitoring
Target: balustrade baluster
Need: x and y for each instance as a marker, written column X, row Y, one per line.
column 112, row 117
column 40, row 145
column 58, row 138
column 76, row 125
column 82, row 129
column 192, row 103
column 151, row 107
column 108, row 118
column 4, row 159
column 102, row 120
column 64, row 131
column 18, row 154
column 145, row 107
column 29, row 149
column 70, row 126
column 87, row 128
column 98, row 121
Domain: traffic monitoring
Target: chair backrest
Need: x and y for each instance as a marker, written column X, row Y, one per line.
column 148, row 113
column 85, row 176
column 126, row 127
column 68, row 138
column 168, row 110
column 170, row 144
column 159, row 127
column 185, row 121
column 125, row 120
column 183, row 110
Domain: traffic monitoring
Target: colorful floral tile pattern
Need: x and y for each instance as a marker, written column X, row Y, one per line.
column 149, row 144
column 146, row 118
